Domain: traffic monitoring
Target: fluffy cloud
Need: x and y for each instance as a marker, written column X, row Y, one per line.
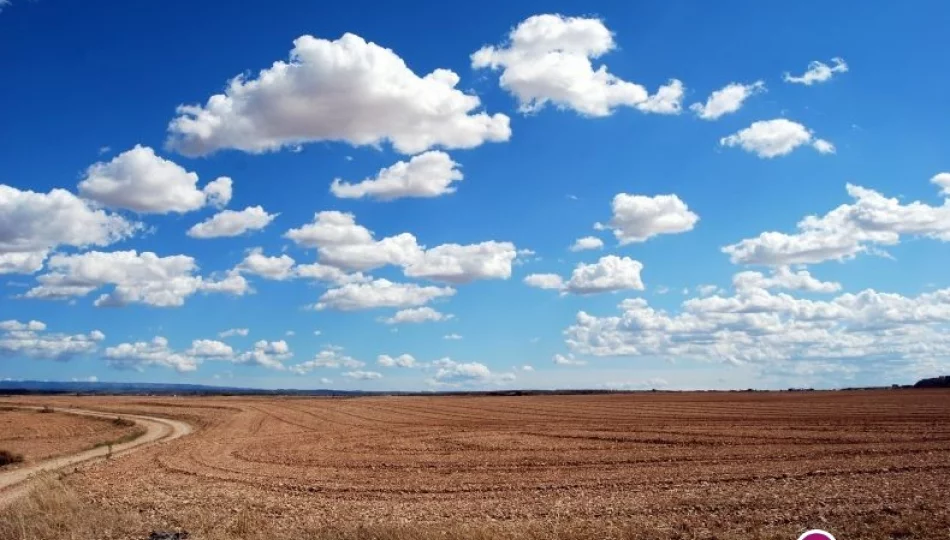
column 268, row 354
column 818, row 72
column 257, row 263
column 380, row 293
column 610, row 273
column 783, row 278
column 942, row 180
column 345, row 90
column 140, row 181
column 137, row 278
column 418, row 315
column 403, row 361
column 330, row 357
column 587, row 242
column 452, row 337
column 210, row 348
column 637, row 218
column 452, row 373
column 548, row 60
column 284, row 267
column 454, row 263
column 17, row 326
column 30, row 339
column 568, row 360
column 544, row 281
column 363, row 375
column 330, row 228
column 22, row 263
column 232, row 223
column 773, row 138
column 142, row 354
column 234, row 332
column 32, row 224
column 330, row 274
column 777, row 330
column 427, row 175
column 342, row 243
column 726, row 100
column 871, row 220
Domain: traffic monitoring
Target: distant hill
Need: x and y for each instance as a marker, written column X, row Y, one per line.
column 936, row 382
column 113, row 388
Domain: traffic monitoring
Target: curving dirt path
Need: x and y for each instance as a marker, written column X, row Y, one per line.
column 14, row 483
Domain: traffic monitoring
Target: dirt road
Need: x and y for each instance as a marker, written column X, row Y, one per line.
column 14, row 483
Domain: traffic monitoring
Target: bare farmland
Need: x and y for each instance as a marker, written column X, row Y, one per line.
column 37, row 436
column 653, row 465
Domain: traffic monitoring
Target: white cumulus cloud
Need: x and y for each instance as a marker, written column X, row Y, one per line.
column 402, row 361
column 31, row 340
column 141, row 354
column 32, row 224
column 547, row 60
column 773, row 138
column 453, row 374
column 426, row 175
column 726, row 100
column 232, row 223
column 136, row 278
column 143, row 182
column 777, row 330
column 637, row 218
column 343, row 243
column 380, row 293
column 610, row 273
column 418, row 315
column 942, row 180
column 544, row 281
column 872, row 220
column 346, row 90
column 328, row 358
column 587, row 242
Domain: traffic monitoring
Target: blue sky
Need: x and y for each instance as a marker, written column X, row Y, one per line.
column 698, row 137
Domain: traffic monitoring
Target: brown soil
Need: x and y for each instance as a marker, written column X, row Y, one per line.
column 38, row 436
column 873, row 464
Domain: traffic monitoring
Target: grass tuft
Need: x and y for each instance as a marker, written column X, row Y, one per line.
column 123, row 422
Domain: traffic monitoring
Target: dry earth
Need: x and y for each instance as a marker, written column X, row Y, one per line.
column 38, row 436
column 872, row 464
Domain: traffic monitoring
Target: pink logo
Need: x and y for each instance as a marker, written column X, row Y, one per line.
column 816, row 534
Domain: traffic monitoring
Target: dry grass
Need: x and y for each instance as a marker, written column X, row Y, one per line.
column 122, row 422
column 51, row 511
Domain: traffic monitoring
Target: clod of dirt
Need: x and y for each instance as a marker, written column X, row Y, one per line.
column 167, row 535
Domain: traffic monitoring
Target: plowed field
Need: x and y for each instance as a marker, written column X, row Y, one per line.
column 870, row 464
column 37, row 436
